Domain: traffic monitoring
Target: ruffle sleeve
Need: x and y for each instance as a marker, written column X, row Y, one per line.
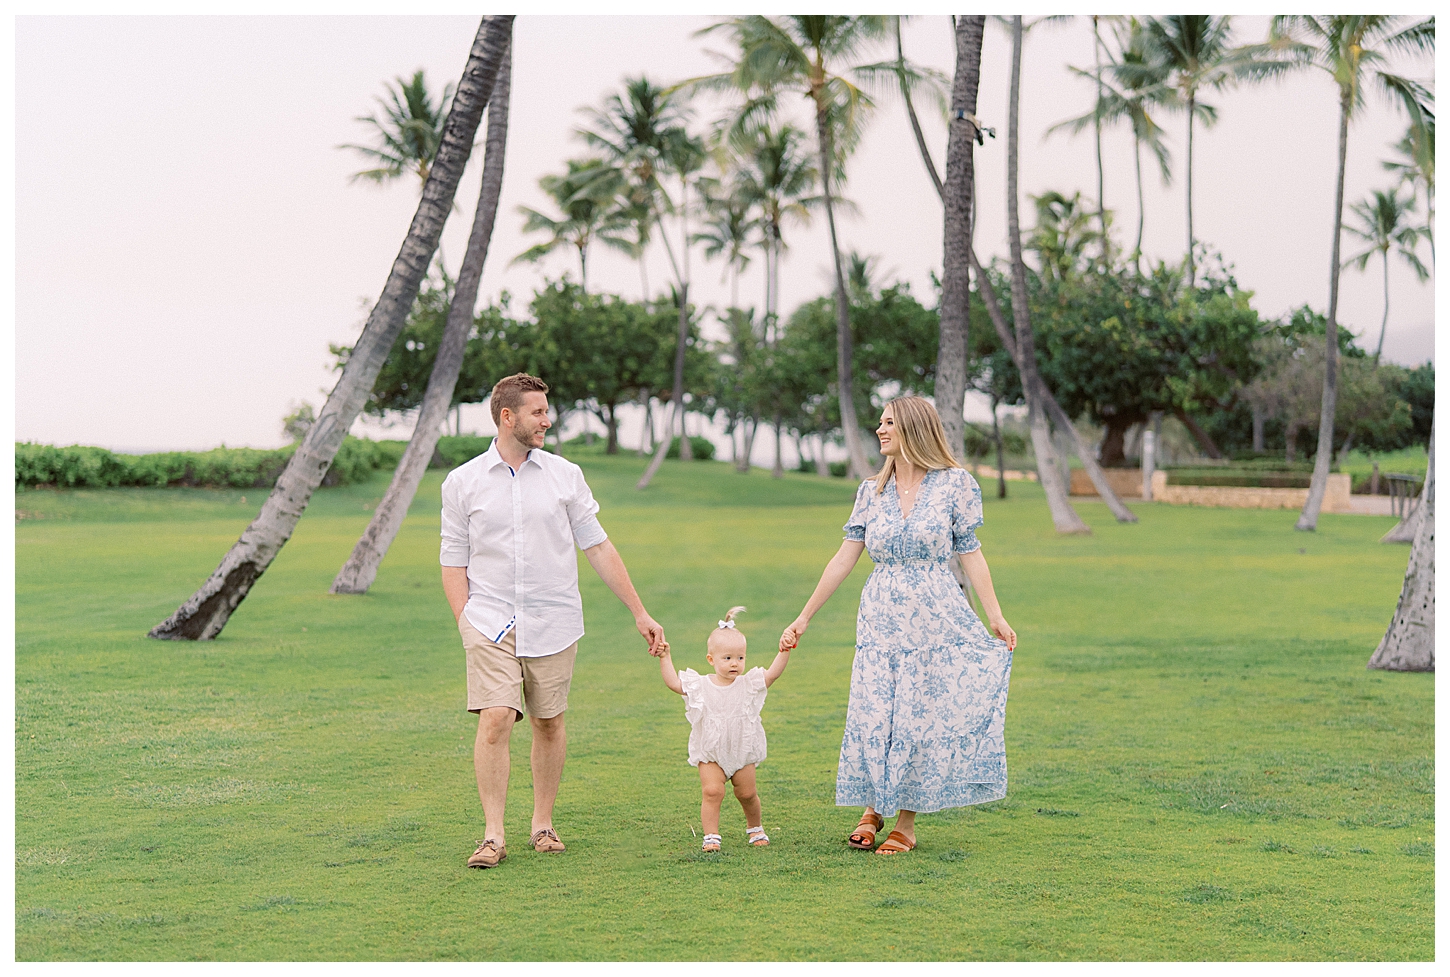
column 694, row 695
column 754, row 690
column 856, row 525
column 966, row 514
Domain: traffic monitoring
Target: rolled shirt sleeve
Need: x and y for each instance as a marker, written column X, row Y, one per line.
column 453, row 550
column 583, row 514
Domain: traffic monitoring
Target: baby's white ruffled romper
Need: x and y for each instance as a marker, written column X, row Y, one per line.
column 725, row 719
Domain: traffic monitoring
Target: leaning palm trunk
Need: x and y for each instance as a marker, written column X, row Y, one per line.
column 1059, row 416
column 1409, row 644
column 1064, row 516
column 957, row 203
column 206, row 612
column 1309, row 518
column 855, row 448
column 361, row 568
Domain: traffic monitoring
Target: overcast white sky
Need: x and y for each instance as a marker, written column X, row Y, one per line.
column 188, row 243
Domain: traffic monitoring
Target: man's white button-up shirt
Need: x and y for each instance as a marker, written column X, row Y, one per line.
column 516, row 531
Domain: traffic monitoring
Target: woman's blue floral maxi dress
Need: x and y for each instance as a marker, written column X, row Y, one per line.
column 929, row 683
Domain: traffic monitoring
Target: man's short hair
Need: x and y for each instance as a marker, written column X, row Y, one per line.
column 509, row 392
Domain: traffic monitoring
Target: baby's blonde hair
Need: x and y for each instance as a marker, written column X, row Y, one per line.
column 721, row 634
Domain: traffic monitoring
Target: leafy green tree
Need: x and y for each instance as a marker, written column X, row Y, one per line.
column 598, row 351
column 1063, row 234
column 1352, row 50
column 1385, row 225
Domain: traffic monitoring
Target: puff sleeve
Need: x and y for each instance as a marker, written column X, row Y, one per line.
column 856, row 525
column 755, row 690
column 966, row 514
column 694, row 695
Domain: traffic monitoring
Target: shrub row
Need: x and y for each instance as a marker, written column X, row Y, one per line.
column 702, row 447
column 79, row 466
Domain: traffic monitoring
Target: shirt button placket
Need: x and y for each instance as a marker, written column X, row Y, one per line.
column 518, row 500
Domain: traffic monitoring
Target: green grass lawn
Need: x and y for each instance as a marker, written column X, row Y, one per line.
column 1200, row 765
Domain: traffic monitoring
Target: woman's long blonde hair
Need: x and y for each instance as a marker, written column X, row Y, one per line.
column 923, row 440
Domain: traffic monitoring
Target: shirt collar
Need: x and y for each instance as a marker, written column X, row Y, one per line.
column 492, row 459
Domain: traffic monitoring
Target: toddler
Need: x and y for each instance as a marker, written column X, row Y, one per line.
column 726, row 738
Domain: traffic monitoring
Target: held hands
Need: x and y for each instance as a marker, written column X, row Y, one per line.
column 791, row 636
column 652, row 632
column 1003, row 630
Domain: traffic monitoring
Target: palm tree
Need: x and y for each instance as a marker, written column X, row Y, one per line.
column 957, row 197
column 206, row 612
column 804, row 54
column 1383, row 225
column 1409, row 641
column 1064, row 516
column 1193, row 49
column 1351, row 49
column 1062, row 235
column 588, row 194
column 361, row 568
column 633, row 131
column 727, row 228
column 775, row 175
column 409, row 132
column 1416, row 166
column 1138, row 87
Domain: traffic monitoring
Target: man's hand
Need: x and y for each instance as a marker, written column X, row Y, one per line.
column 652, row 632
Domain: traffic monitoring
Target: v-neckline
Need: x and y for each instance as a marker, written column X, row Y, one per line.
column 896, row 487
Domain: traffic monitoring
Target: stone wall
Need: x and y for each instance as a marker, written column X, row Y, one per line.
column 1126, row 482
column 1336, row 495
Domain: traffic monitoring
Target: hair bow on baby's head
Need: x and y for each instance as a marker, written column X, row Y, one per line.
column 728, row 624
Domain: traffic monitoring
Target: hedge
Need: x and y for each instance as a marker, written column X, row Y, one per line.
column 80, row 466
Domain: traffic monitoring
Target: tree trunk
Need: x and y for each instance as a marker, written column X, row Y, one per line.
column 1324, row 455
column 1098, row 135
column 1064, row 517
column 747, row 444
column 1205, row 441
column 845, row 388
column 1001, row 460
column 677, row 398
column 823, row 467
column 647, row 426
column 361, row 568
column 611, row 424
column 206, row 612
column 1112, row 454
column 957, row 205
column 1291, row 436
column 1138, row 173
column 1192, row 271
column 1385, row 319
column 779, row 470
column 1409, row 644
column 1258, row 418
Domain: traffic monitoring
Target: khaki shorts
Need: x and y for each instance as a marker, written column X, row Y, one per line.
column 498, row 678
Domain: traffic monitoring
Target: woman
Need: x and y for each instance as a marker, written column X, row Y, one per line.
column 929, row 683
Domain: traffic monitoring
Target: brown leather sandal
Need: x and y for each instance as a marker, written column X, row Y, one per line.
column 865, row 834
column 895, row 844
column 545, row 840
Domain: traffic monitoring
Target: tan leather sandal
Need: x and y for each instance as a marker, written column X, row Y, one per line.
column 895, row 844
column 865, row 834
column 545, row 840
column 488, row 854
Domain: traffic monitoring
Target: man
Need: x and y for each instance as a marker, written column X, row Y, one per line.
column 511, row 519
